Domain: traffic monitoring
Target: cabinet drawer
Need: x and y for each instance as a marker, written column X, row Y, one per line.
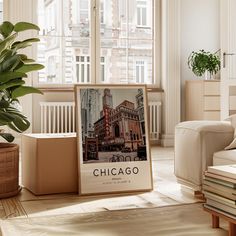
column 211, row 88
column 211, row 115
column 212, row 103
column 232, row 102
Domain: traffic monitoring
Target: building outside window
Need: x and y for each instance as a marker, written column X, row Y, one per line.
column 103, row 67
column 83, row 11
column 83, row 69
column 102, row 12
column 140, row 71
column 142, row 13
column 51, row 17
column 51, row 73
column 86, row 51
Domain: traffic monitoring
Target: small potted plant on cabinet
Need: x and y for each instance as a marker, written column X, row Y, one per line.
column 204, row 63
column 14, row 67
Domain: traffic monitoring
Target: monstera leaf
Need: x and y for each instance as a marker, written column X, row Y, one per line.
column 14, row 67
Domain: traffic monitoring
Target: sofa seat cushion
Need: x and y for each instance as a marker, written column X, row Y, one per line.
column 226, row 157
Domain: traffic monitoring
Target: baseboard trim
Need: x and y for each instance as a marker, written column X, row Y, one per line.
column 155, row 142
column 167, row 140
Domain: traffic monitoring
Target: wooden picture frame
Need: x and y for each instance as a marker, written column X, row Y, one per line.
column 112, row 139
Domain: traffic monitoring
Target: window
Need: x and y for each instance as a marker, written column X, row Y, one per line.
column 140, row 71
column 102, row 16
column 142, row 13
column 96, row 44
column 83, row 69
column 50, row 17
column 103, row 69
column 51, row 74
column 83, row 11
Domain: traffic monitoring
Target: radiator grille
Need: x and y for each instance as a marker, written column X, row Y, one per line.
column 154, row 119
column 59, row 117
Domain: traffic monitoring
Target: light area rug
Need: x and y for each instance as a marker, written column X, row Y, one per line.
column 75, row 204
column 182, row 220
column 166, row 192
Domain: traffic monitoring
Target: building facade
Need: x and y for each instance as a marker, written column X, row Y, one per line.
column 126, row 46
column 118, row 128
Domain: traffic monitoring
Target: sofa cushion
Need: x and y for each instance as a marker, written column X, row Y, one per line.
column 232, row 120
column 226, row 157
column 232, row 145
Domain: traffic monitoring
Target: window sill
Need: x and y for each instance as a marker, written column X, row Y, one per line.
column 70, row 88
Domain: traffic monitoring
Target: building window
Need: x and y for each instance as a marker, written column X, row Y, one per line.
column 83, row 11
column 142, row 13
column 91, row 48
column 83, row 69
column 140, row 71
column 103, row 69
column 50, row 17
column 102, row 13
column 51, row 73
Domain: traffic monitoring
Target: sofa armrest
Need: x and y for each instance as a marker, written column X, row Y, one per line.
column 215, row 136
column 195, row 144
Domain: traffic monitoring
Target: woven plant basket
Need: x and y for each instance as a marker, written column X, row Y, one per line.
column 9, row 170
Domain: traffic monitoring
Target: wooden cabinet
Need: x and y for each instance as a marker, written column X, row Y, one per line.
column 202, row 99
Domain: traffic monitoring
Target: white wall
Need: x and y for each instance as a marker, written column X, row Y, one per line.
column 200, row 29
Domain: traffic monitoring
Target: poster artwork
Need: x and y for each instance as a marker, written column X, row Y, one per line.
column 113, row 147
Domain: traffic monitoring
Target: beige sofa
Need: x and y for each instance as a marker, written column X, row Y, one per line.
column 196, row 142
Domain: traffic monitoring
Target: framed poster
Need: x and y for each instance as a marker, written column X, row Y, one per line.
column 113, row 139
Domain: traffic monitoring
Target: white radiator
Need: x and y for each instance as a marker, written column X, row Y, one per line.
column 59, row 117
column 154, row 120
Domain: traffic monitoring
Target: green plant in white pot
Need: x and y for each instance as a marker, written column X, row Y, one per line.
column 14, row 67
column 204, row 63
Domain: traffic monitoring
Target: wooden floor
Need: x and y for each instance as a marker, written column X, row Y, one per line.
column 166, row 192
column 27, row 211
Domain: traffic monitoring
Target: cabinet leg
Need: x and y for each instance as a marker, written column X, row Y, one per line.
column 215, row 221
column 232, row 229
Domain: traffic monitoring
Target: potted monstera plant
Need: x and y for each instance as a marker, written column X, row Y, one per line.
column 14, row 66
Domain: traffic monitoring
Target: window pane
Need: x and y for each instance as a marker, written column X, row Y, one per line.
column 77, row 72
column 139, row 16
column 102, row 73
column 141, row 58
column 88, row 73
column 137, row 74
column 126, row 36
column 140, row 19
column 115, row 55
column 82, row 74
column 119, row 46
column 65, row 35
column 144, row 16
column 142, row 74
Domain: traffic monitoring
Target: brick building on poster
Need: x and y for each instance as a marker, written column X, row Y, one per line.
column 119, row 127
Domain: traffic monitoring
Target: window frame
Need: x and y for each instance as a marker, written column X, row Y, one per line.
column 86, row 68
column 140, row 63
column 95, row 49
column 139, row 12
